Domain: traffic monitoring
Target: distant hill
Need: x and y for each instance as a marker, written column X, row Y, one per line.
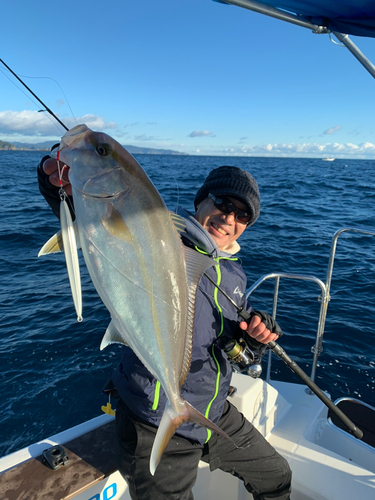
column 7, row 145
column 40, row 146
column 151, row 151
column 46, row 146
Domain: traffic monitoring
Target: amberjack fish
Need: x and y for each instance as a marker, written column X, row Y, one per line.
column 142, row 272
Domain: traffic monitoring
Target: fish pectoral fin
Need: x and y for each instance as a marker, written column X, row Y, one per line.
column 55, row 244
column 115, row 225
column 112, row 336
column 170, row 422
column 178, row 222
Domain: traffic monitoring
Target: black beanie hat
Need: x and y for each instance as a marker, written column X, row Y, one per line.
column 232, row 181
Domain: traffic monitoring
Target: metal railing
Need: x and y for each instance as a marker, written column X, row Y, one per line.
column 324, row 297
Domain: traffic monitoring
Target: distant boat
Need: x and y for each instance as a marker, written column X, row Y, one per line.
column 328, row 159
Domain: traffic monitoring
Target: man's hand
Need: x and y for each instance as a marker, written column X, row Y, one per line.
column 51, row 169
column 258, row 330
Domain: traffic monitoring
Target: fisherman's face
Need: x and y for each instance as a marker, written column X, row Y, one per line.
column 223, row 228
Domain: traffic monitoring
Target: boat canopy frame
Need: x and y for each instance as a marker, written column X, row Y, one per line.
column 299, row 20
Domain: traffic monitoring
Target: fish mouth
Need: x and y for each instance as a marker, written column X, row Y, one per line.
column 75, row 137
column 104, row 196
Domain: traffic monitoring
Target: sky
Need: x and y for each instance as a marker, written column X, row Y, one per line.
column 194, row 76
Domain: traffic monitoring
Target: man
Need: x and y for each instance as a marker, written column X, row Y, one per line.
column 226, row 204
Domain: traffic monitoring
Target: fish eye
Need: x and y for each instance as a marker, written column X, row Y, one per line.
column 102, row 149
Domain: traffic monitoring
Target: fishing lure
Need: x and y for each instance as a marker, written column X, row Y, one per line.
column 70, row 246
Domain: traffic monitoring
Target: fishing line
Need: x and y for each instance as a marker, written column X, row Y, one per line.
column 32, row 100
column 57, row 83
column 178, row 189
column 61, row 171
column 34, row 95
column 46, row 78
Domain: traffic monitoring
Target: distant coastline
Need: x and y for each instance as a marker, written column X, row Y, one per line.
column 46, row 146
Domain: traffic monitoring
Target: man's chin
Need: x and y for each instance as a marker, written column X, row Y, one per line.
column 221, row 241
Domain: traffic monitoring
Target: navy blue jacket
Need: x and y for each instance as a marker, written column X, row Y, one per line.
column 216, row 321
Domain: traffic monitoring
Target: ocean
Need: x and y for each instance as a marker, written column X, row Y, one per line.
column 52, row 372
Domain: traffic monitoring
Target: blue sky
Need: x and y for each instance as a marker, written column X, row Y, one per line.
column 194, row 76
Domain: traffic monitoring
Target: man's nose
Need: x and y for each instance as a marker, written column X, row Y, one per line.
column 230, row 218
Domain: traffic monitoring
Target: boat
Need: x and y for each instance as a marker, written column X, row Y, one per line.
column 328, row 159
column 329, row 460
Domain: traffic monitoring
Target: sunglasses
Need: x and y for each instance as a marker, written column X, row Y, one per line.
column 227, row 207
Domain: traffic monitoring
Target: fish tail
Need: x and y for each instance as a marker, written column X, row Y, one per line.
column 170, row 422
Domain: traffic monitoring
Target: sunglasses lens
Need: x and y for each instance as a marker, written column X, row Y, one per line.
column 227, row 207
column 243, row 219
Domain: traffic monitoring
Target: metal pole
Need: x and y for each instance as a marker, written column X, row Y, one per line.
column 274, row 310
column 276, row 13
column 366, row 63
column 323, row 309
column 299, row 21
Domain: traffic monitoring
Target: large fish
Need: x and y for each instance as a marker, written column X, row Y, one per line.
column 145, row 276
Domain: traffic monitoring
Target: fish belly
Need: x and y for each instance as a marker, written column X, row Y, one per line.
column 142, row 282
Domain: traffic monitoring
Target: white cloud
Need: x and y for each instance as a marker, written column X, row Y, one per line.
column 145, row 137
column 332, row 130
column 95, row 122
column 347, row 150
column 201, row 133
column 42, row 124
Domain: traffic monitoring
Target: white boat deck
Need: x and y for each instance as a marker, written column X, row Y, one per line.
column 327, row 463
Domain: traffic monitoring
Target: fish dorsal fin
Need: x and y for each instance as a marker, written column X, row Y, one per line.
column 112, row 336
column 115, row 224
column 196, row 264
column 178, row 222
column 55, row 243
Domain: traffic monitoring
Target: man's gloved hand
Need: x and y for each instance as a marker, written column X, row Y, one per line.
column 261, row 329
column 49, row 184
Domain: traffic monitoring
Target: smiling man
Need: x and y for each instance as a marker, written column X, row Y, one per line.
column 226, row 204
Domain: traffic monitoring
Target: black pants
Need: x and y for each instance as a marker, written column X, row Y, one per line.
column 265, row 473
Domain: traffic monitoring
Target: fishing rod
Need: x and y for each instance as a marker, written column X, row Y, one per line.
column 36, row 97
column 279, row 351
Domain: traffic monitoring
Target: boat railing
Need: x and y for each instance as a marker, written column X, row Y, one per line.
column 324, row 297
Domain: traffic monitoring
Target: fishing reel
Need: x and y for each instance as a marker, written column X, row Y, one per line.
column 242, row 358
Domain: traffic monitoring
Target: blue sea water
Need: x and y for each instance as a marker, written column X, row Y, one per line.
column 51, row 370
